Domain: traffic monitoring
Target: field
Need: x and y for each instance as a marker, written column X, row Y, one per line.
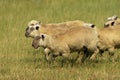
column 20, row 61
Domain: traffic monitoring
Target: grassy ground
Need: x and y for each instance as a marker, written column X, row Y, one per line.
column 19, row 61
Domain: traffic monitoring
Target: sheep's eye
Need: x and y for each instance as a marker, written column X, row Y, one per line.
column 37, row 27
column 112, row 23
column 92, row 25
column 116, row 18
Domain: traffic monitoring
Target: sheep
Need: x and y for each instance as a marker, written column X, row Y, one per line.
column 35, row 27
column 109, row 39
column 76, row 39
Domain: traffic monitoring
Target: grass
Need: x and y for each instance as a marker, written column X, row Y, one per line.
column 19, row 61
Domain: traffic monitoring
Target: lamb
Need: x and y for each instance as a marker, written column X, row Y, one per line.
column 76, row 39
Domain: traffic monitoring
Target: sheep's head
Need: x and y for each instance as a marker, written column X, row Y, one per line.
column 111, row 21
column 32, row 29
column 39, row 41
column 109, row 24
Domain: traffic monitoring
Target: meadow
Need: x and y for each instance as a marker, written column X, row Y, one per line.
column 20, row 61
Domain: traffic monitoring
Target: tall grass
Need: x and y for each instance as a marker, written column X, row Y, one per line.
column 19, row 61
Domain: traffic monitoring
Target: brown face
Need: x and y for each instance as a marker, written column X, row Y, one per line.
column 39, row 41
column 35, row 42
column 32, row 29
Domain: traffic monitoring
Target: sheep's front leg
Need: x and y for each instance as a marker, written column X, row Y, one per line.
column 48, row 54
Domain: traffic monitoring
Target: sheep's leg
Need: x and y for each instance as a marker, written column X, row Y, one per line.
column 79, row 57
column 85, row 55
column 111, row 53
column 66, row 55
column 48, row 54
column 93, row 56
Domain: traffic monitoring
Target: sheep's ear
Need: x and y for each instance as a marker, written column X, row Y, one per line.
column 116, row 17
column 106, row 25
column 112, row 24
column 43, row 37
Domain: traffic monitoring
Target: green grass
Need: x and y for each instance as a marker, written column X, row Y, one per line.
column 19, row 61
